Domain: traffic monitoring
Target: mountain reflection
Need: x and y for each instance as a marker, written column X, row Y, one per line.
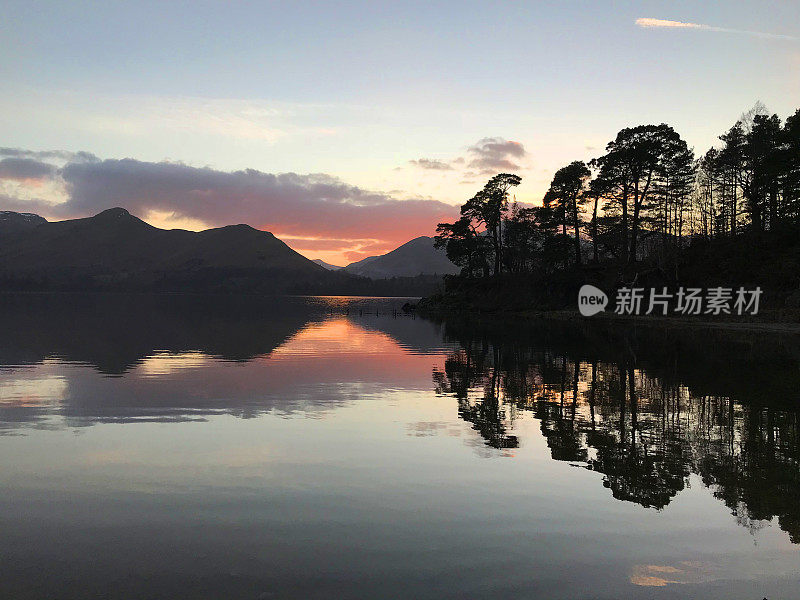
column 114, row 333
column 77, row 360
column 636, row 407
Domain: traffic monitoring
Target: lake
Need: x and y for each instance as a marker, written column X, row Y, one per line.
column 219, row 447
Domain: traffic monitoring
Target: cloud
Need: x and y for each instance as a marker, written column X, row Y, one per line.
column 25, row 169
column 24, row 205
column 305, row 207
column 494, row 154
column 488, row 156
column 328, row 244
column 49, row 154
column 365, row 250
column 650, row 23
column 431, row 164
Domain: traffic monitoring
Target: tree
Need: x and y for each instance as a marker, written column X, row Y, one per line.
column 762, row 157
column 648, row 193
column 791, row 165
column 629, row 170
column 488, row 209
column 731, row 164
column 594, row 232
column 565, row 196
column 464, row 246
column 674, row 186
column 707, row 176
column 522, row 238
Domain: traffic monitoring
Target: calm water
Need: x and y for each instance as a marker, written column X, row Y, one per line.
column 309, row 448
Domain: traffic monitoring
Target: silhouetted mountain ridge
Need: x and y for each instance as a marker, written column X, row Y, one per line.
column 115, row 249
column 326, row 265
column 416, row 257
column 13, row 222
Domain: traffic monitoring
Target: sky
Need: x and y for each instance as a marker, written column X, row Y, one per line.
column 349, row 128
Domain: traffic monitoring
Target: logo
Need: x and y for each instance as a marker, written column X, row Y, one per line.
column 591, row 300
column 683, row 301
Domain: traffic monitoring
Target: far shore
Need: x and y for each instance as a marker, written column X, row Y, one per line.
column 784, row 321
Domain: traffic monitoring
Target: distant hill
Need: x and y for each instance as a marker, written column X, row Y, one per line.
column 116, row 250
column 14, row 222
column 417, row 257
column 328, row 266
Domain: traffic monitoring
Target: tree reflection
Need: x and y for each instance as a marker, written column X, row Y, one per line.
column 645, row 433
column 487, row 414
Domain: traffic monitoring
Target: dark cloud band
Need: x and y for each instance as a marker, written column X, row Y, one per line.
column 311, row 205
column 23, row 169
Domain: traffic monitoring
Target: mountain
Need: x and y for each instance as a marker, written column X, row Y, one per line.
column 417, row 257
column 328, row 266
column 14, row 222
column 116, row 250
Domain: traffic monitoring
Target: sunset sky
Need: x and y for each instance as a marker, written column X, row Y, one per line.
column 348, row 128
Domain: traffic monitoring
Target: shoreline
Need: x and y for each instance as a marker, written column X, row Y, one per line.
column 604, row 318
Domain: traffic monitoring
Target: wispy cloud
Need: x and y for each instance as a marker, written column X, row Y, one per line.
column 650, row 23
column 48, row 154
column 431, row 164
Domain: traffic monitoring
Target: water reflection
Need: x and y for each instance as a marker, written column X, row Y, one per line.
column 643, row 409
column 616, row 403
column 194, row 447
column 185, row 358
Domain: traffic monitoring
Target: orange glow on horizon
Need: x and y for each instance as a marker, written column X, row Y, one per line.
column 334, row 251
column 341, row 258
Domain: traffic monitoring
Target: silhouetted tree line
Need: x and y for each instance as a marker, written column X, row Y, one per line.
column 648, row 194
